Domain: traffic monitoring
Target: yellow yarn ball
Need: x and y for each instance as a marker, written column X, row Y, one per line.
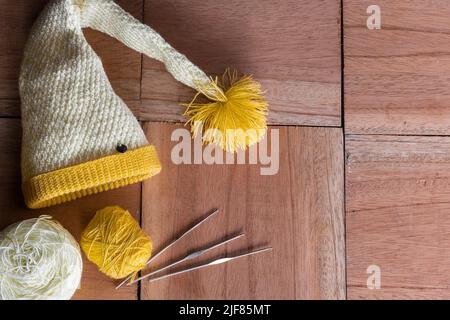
column 114, row 241
column 235, row 116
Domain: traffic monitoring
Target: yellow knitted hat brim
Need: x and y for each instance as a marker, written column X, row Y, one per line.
column 91, row 177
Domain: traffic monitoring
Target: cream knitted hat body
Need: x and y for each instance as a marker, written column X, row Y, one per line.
column 72, row 120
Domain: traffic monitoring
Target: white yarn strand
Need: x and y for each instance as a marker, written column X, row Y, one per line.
column 39, row 260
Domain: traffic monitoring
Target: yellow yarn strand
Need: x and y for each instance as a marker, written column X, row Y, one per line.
column 114, row 242
column 235, row 117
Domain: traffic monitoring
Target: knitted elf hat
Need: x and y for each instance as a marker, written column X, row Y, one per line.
column 79, row 137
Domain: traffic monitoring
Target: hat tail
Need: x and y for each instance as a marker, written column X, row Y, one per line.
column 234, row 116
column 108, row 17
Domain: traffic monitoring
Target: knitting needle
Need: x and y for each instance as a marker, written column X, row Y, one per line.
column 188, row 257
column 215, row 262
column 210, row 215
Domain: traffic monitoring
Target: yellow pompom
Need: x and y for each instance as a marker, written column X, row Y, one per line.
column 114, row 241
column 235, row 117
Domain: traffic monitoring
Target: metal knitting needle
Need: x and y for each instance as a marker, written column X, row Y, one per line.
column 188, row 257
column 173, row 243
column 215, row 262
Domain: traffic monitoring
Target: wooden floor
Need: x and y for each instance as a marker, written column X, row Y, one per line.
column 397, row 125
column 388, row 151
column 299, row 212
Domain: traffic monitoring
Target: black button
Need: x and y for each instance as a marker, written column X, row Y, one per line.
column 122, row 148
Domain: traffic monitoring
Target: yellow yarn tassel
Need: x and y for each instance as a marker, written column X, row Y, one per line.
column 114, row 241
column 235, row 117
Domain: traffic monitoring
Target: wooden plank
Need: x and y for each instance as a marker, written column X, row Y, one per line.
column 122, row 65
column 397, row 191
column 396, row 78
column 10, row 108
column 298, row 211
column 292, row 47
column 74, row 215
column 17, row 19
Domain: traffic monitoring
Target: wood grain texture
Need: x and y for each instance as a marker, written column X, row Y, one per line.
column 299, row 212
column 396, row 78
column 74, row 216
column 122, row 65
column 397, row 191
column 292, row 47
column 17, row 19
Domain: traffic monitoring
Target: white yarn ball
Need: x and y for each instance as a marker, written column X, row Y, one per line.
column 39, row 260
